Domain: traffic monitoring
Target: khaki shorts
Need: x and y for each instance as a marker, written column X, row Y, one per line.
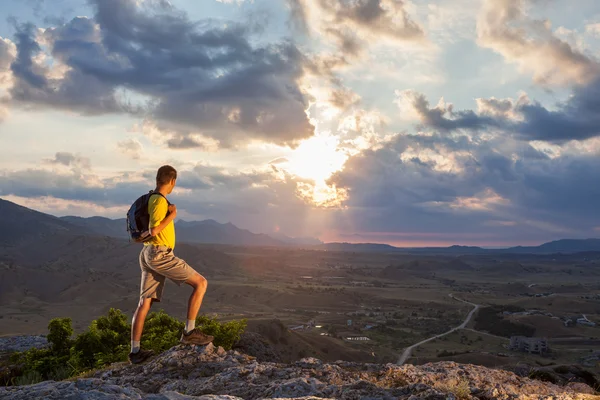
column 157, row 264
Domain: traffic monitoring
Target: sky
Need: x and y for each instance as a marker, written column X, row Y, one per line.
column 413, row 123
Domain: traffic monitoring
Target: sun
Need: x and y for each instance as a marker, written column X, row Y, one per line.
column 316, row 158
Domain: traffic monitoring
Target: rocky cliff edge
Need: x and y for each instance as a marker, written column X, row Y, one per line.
column 207, row 372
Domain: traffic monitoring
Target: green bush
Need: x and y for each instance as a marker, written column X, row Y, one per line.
column 107, row 340
column 225, row 334
column 161, row 332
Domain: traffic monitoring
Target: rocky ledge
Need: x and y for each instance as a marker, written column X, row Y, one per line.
column 206, row 372
column 22, row 343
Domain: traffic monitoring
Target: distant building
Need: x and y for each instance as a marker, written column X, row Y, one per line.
column 528, row 344
column 358, row 338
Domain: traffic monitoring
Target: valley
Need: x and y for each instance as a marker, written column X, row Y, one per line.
column 306, row 301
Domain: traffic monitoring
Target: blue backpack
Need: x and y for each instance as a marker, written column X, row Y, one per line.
column 138, row 218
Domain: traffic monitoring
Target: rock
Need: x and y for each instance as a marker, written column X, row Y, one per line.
column 22, row 343
column 82, row 389
column 258, row 346
column 205, row 372
column 580, row 387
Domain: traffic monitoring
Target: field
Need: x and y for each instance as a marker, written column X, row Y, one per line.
column 327, row 299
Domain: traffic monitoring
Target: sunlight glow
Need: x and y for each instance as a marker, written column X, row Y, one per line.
column 317, row 158
column 314, row 161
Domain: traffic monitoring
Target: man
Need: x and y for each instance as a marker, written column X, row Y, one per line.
column 158, row 262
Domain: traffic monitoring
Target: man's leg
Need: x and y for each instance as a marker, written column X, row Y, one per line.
column 199, row 285
column 177, row 270
column 139, row 317
column 138, row 355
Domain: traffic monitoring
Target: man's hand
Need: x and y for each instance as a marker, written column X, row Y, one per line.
column 173, row 209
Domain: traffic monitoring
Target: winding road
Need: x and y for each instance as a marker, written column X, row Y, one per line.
column 408, row 351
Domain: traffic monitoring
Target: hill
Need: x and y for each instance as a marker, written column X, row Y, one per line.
column 116, row 228
column 23, row 224
column 565, row 246
column 210, row 231
column 560, row 246
column 206, row 372
column 207, row 231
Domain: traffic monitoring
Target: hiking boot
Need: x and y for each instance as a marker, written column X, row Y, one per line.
column 140, row 356
column 196, row 337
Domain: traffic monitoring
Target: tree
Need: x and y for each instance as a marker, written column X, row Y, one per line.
column 59, row 335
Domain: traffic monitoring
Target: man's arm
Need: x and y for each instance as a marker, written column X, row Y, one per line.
column 156, row 230
column 157, row 211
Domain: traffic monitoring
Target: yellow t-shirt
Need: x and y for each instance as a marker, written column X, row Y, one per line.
column 158, row 208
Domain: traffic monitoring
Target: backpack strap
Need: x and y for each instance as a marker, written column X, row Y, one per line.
column 152, row 192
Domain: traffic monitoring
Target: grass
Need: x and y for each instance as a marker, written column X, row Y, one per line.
column 460, row 388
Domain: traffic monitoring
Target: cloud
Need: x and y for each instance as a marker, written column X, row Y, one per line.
column 131, row 148
column 148, row 59
column 593, row 29
column 505, row 27
column 352, row 25
column 441, row 184
column 8, row 53
column 442, row 117
column 70, row 160
column 256, row 199
column 577, row 118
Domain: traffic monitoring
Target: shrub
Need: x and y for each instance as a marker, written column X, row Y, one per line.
column 29, row 378
column 161, row 331
column 107, row 341
column 225, row 334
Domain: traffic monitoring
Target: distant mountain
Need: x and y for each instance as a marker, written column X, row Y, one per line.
column 297, row 241
column 21, row 223
column 559, row 246
column 210, row 231
column 116, row 228
column 207, row 231
column 366, row 247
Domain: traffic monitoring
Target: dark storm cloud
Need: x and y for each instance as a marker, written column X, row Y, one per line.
column 446, row 119
column 194, row 77
column 391, row 192
column 76, row 90
column 578, row 118
column 23, row 67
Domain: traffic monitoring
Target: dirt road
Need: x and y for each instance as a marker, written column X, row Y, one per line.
column 408, row 351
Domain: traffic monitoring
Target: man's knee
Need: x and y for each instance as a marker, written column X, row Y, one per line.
column 145, row 303
column 197, row 281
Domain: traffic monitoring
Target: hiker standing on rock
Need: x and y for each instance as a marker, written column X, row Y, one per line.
column 158, row 262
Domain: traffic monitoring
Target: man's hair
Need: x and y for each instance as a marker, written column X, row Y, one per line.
column 165, row 174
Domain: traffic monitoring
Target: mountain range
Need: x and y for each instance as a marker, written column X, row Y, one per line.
column 20, row 222
column 207, row 231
